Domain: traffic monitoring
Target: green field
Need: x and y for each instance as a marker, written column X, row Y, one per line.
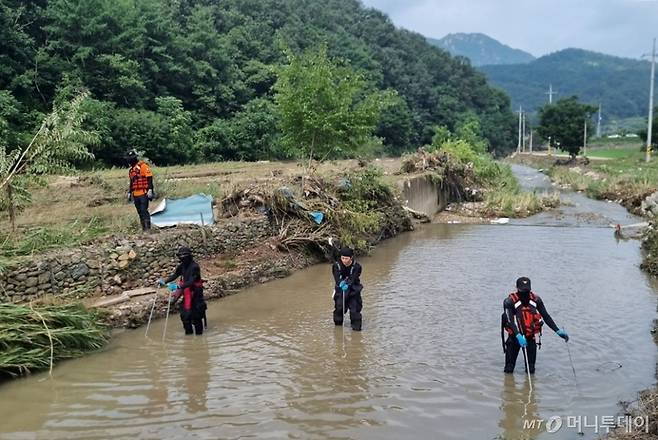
column 616, row 153
column 623, row 148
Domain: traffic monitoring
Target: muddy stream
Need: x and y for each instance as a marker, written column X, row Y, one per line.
column 428, row 364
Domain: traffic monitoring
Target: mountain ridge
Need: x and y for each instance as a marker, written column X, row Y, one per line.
column 481, row 49
column 619, row 84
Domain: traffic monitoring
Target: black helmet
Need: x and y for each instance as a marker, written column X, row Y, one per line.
column 131, row 156
column 523, row 285
column 184, row 252
column 346, row 252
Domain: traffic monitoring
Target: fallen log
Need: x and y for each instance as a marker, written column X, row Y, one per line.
column 424, row 218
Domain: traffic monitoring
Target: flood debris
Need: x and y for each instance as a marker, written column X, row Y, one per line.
column 453, row 176
column 357, row 208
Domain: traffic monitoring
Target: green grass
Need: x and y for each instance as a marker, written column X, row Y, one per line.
column 33, row 337
column 615, row 153
column 504, row 196
column 564, row 176
column 518, row 204
column 631, row 152
column 40, row 239
column 627, row 177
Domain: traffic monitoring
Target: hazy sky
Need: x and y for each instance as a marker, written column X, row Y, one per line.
column 616, row 27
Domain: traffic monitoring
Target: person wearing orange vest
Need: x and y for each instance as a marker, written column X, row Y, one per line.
column 190, row 289
column 524, row 314
column 141, row 188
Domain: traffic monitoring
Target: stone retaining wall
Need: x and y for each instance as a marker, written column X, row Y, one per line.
column 120, row 263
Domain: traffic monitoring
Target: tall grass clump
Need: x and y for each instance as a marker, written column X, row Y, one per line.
column 503, row 195
column 35, row 337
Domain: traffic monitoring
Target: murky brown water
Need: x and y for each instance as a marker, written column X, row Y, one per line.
column 427, row 365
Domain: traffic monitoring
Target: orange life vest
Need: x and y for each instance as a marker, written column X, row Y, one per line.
column 528, row 319
column 139, row 174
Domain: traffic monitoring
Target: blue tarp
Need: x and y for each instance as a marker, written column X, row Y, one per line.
column 196, row 209
column 317, row 216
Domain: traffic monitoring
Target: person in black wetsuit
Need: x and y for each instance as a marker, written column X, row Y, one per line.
column 523, row 316
column 347, row 273
column 190, row 288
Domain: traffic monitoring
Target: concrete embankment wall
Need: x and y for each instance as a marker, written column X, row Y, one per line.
column 424, row 195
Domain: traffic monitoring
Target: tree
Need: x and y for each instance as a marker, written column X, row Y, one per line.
column 395, row 127
column 165, row 136
column 251, row 135
column 220, row 60
column 325, row 106
column 564, row 123
column 57, row 144
column 178, row 121
column 9, row 110
column 468, row 130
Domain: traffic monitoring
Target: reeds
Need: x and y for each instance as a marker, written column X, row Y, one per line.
column 35, row 337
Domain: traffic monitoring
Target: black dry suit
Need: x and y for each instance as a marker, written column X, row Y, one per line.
column 190, row 288
column 353, row 302
column 528, row 310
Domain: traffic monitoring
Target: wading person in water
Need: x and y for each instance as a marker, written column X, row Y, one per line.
column 347, row 290
column 190, row 288
column 524, row 314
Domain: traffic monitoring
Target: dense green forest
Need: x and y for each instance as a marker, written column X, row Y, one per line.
column 192, row 80
column 620, row 85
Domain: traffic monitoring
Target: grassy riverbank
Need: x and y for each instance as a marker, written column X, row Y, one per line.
column 613, row 172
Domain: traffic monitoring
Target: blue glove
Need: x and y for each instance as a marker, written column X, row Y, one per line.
column 343, row 286
column 172, row 287
column 561, row 333
column 521, row 339
column 161, row 282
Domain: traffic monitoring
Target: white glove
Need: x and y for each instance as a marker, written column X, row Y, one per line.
column 149, row 194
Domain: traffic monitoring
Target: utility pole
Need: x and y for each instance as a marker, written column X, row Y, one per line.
column 550, row 93
column 598, row 124
column 585, row 137
column 530, row 140
column 650, row 125
column 523, row 136
column 518, row 147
